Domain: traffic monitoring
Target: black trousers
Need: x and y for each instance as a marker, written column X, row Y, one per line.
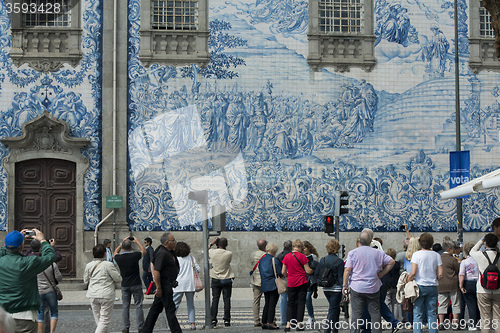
column 296, row 297
column 269, row 311
column 226, row 290
column 165, row 301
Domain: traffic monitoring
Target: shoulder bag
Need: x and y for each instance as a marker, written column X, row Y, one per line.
column 198, row 284
column 281, row 282
column 58, row 291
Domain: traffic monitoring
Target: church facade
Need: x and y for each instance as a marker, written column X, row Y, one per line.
column 269, row 105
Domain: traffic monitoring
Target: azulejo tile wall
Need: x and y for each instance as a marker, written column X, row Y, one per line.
column 71, row 94
column 296, row 135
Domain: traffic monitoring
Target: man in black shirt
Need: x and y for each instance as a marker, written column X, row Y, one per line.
column 166, row 268
column 128, row 262
column 147, row 276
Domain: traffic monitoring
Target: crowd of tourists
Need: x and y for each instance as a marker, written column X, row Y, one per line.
column 427, row 286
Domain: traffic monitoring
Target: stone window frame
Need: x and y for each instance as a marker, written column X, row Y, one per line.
column 341, row 50
column 482, row 49
column 174, row 47
column 56, row 45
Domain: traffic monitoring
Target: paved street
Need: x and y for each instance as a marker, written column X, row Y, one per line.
column 75, row 315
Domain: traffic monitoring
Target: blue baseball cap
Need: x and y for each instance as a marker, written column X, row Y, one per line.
column 14, row 239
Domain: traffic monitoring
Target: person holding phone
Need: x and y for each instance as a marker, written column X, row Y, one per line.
column 18, row 280
column 128, row 262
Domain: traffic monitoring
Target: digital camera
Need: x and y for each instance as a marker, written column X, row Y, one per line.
column 30, row 233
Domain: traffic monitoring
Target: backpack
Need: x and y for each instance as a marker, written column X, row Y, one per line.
column 326, row 278
column 491, row 275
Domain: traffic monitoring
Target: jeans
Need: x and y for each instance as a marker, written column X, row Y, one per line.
column 127, row 292
column 309, row 304
column 189, row 301
column 102, row 308
column 470, row 298
column 296, row 298
column 358, row 302
column 283, row 306
column 426, row 303
column 271, row 299
column 51, row 300
column 333, row 310
column 226, row 290
column 165, row 301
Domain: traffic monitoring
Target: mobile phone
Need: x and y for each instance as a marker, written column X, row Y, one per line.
column 402, row 227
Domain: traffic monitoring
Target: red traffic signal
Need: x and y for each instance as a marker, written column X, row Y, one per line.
column 329, row 224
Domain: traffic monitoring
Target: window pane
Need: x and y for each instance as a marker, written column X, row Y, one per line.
column 344, row 9
column 485, row 27
column 175, row 15
column 47, row 13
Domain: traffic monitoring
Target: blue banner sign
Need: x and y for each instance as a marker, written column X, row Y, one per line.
column 459, row 169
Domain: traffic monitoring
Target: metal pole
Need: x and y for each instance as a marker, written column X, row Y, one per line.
column 114, row 229
column 460, row 227
column 206, row 266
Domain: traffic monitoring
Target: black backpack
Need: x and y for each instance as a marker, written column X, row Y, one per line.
column 326, row 277
column 491, row 275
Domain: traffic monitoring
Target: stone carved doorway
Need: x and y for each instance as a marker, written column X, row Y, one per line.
column 45, row 148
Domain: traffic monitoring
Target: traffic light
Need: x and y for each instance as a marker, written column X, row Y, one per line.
column 329, row 224
column 341, row 202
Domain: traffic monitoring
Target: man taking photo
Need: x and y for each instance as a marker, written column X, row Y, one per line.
column 18, row 280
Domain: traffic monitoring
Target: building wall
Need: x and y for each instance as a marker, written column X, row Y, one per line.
column 285, row 136
column 297, row 135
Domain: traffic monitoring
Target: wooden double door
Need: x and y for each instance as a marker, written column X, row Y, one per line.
column 46, row 199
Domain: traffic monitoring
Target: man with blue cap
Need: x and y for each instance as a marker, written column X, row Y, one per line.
column 18, row 280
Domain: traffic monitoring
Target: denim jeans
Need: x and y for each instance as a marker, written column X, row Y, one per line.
column 127, row 293
column 426, row 303
column 226, row 290
column 51, row 300
column 333, row 310
column 283, row 305
column 309, row 304
column 189, row 302
column 470, row 298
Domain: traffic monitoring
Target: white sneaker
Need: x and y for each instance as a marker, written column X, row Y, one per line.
column 472, row 328
column 310, row 321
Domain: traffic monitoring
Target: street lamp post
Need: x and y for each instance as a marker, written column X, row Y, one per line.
column 460, row 228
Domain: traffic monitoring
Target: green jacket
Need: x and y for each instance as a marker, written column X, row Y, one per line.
column 18, row 282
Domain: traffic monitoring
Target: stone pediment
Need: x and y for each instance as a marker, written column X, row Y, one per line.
column 46, row 134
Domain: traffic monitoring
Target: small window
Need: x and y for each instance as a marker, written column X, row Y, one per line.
column 48, row 13
column 46, row 34
column 341, row 34
column 485, row 26
column 340, row 16
column 174, row 32
column 175, row 15
column 482, row 39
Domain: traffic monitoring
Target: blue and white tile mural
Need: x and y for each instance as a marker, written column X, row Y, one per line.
column 70, row 94
column 271, row 140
